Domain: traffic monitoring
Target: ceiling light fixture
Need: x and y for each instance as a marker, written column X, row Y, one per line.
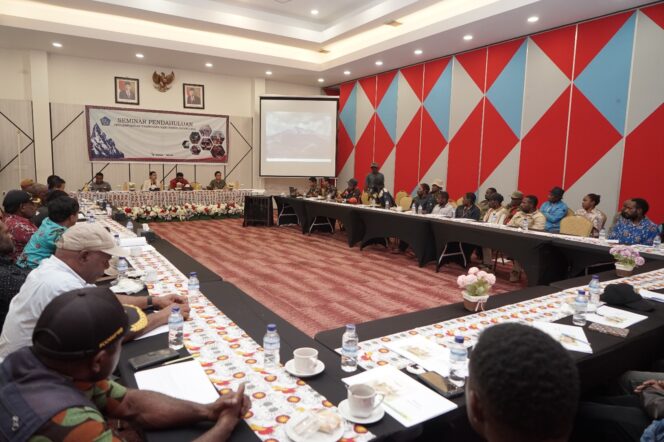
column 320, row 80
column 533, row 19
column 268, row 72
column 379, row 63
column 468, row 37
column 208, row 65
column 346, row 72
column 139, row 55
column 56, row 44
column 314, row 12
column 418, row 51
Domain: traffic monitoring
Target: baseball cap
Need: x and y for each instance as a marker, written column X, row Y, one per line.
column 82, row 322
column 27, row 183
column 374, row 164
column 624, row 295
column 14, row 198
column 517, row 195
column 92, row 237
column 438, row 182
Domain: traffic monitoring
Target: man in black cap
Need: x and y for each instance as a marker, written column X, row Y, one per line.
column 19, row 209
column 58, row 389
column 554, row 210
column 352, row 191
column 375, row 181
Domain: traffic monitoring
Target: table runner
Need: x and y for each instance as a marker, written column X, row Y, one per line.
column 166, row 197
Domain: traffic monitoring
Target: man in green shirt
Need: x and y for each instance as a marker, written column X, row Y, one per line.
column 218, row 183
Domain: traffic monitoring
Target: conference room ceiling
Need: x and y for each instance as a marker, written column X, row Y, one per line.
column 250, row 37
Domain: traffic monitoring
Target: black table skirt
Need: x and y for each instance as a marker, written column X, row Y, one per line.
column 608, row 275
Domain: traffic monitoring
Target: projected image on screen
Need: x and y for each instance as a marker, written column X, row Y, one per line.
column 298, row 136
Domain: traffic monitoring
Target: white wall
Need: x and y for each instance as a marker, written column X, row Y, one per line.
column 14, row 75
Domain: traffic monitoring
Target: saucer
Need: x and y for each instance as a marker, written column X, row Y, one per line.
column 290, row 368
column 344, row 410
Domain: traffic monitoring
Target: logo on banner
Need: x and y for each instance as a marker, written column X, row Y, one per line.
column 105, row 121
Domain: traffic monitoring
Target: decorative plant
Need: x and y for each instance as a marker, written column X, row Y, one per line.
column 477, row 282
column 627, row 256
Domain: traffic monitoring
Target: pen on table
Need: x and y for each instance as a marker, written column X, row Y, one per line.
column 576, row 339
column 175, row 361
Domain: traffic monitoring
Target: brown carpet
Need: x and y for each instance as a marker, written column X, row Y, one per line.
column 317, row 282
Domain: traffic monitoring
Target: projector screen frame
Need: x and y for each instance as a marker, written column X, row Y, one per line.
column 334, row 98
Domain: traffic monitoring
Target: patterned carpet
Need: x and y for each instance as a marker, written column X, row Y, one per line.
column 317, row 282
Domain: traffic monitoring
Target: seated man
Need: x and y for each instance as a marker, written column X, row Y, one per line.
column 54, row 182
column 151, row 184
column 495, row 214
column 82, row 255
column 352, row 191
column 636, row 228
column 19, row 209
column 179, row 182
column 554, row 210
column 423, row 201
column 99, row 185
column 532, row 218
column 313, row 190
column 514, row 205
column 618, row 217
column 60, row 385
column 12, row 277
column 484, row 204
column 589, row 211
column 218, row 183
column 42, row 211
column 522, row 386
column 443, row 206
column 468, row 209
column 436, row 187
column 62, row 214
column 328, row 189
column 26, row 183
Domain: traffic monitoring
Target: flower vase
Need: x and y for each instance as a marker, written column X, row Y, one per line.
column 623, row 270
column 474, row 303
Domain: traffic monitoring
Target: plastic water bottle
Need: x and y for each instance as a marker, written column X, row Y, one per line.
column 175, row 328
column 580, row 308
column 122, row 267
column 349, row 349
column 419, row 210
column 109, row 210
column 91, row 216
column 387, row 203
column 116, row 238
column 130, row 225
column 657, row 242
column 458, row 361
column 595, row 292
column 602, row 235
column 193, row 286
column 524, row 225
column 414, row 208
column 271, row 344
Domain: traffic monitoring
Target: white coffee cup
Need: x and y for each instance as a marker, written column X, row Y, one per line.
column 305, row 360
column 363, row 400
column 151, row 276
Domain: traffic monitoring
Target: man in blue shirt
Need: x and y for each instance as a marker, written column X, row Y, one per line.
column 635, row 227
column 554, row 210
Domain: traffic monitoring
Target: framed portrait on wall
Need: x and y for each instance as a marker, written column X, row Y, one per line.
column 126, row 90
column 193, row 96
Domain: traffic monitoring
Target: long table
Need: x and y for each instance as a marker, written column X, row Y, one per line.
column 166, row 197
column 544, row 257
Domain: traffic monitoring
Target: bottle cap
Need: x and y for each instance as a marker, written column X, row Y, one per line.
column 458, row 339
column 271, row 327
column 192, row 274
column 350, row 326
column 175, row 309
column 595, row 276
column 581, row 292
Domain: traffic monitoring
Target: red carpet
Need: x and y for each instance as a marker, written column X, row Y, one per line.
column 317, row 282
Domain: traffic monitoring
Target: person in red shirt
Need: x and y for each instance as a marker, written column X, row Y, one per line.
column 179, row 179
column 19, row 209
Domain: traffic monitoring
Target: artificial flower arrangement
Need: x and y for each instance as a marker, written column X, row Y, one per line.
column 184, row 212
column 476, row 286
column 627, row 257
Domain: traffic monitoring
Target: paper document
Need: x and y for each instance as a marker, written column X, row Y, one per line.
column 570, row 336
column 615, row 317
column 157, row 331
column 653, row 296
column 424, row 352
column 135, row 241
column 406, row 400
column 183, row 380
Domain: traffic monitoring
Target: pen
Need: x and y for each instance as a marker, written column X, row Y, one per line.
column 576, row 339
column 175, row 361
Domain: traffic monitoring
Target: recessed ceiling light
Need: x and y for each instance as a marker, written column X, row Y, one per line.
column 346, row 72
column 139, row 55
column 468, row 37
column 56, row 44
column 320, row 80
column 268, row 72
column 418, row 51
column 314, row 12
column 208, row 65
column 379, row 63
column 533, row 19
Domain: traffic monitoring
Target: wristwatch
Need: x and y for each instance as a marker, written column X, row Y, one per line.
column 150, row 305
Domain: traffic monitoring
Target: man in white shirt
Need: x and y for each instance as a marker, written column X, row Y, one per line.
column 83, row 253
column 495, row 214
column 443, row 207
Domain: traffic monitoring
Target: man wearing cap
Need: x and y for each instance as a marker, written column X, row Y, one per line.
column 635, row 227
column 436, row 186
column 484, row 204
column 19, row 209
column 375, row 181
column 26, row 183
column 58, row 389
column 554, row 210
column 99, row 185
column 514, row 205
column 12, row 277
column 62, row 214
column 82, row 255
column 352, row 191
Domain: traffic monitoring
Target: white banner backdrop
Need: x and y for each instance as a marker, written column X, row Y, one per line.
column 118, row 134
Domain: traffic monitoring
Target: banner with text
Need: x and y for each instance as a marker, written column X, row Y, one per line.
column 117, row 134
